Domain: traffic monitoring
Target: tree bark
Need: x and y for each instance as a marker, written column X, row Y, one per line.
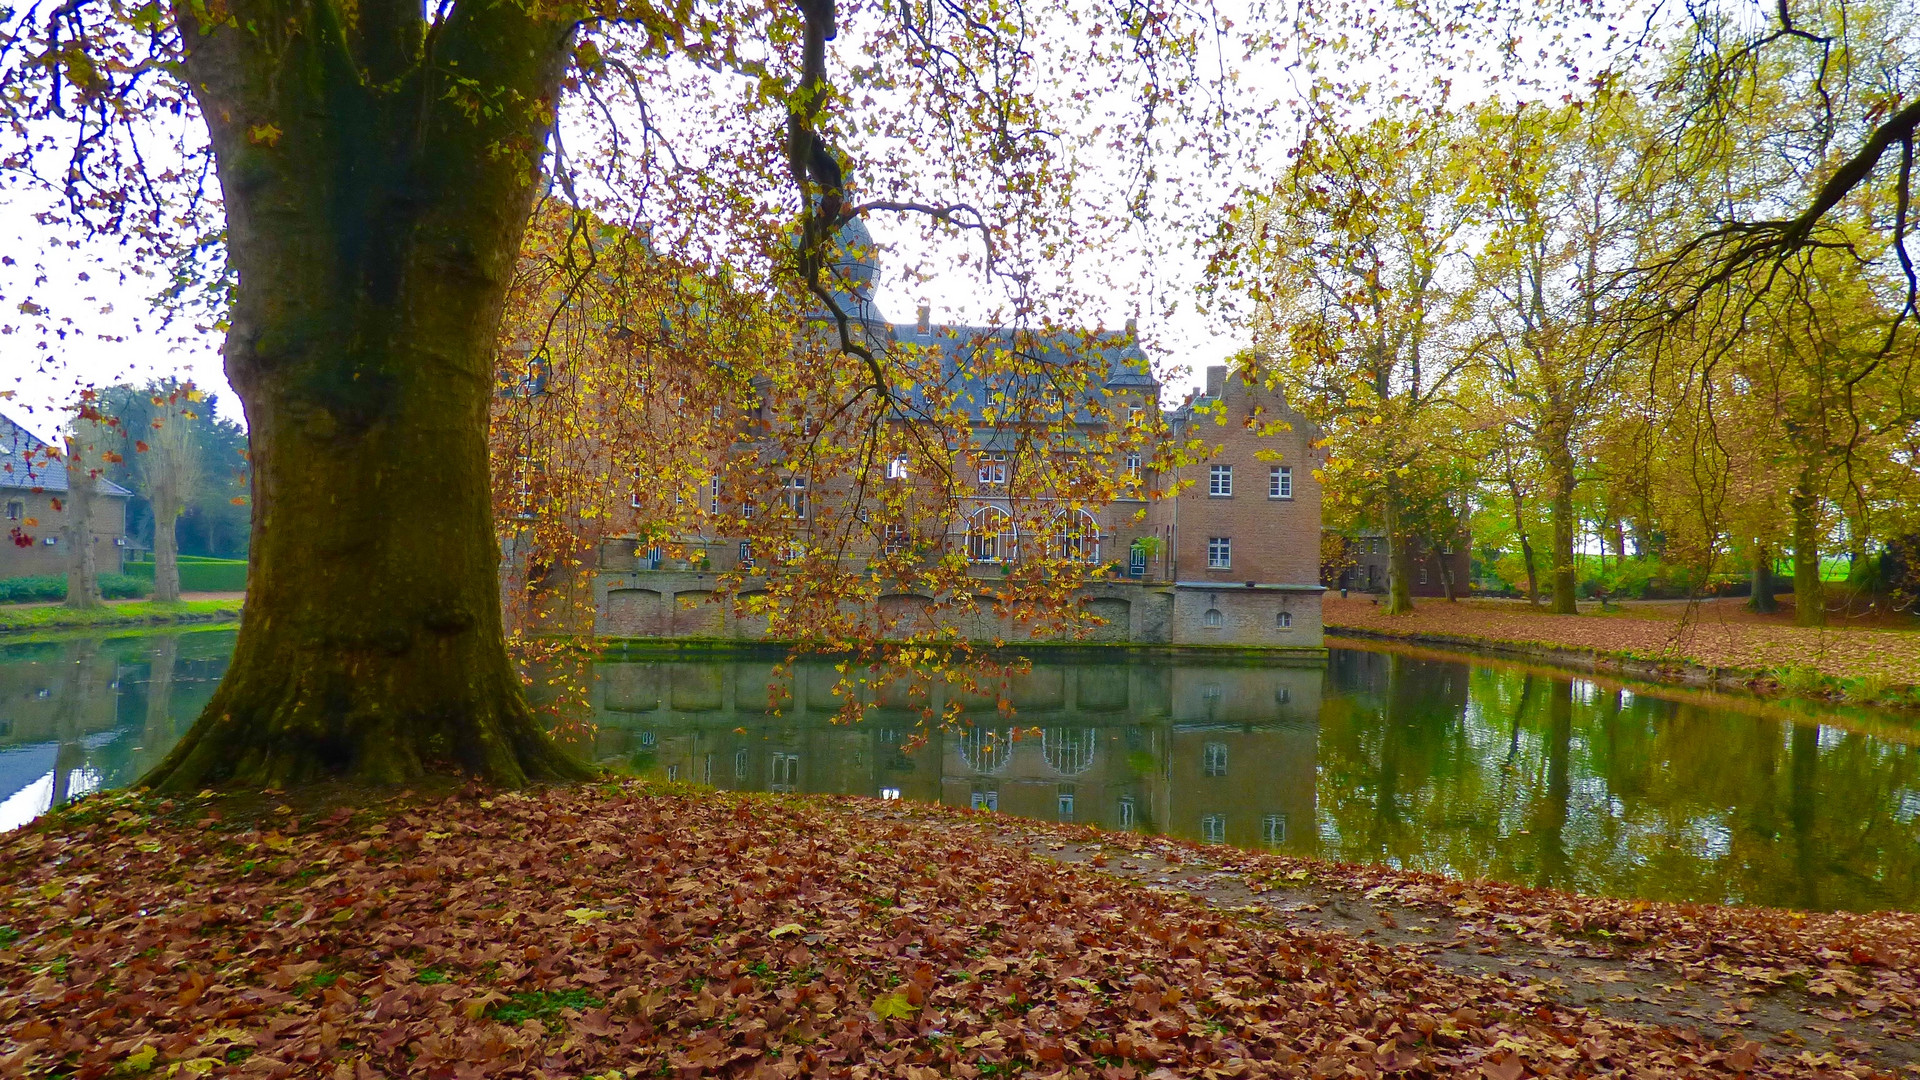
column 1560, row 478
column 1809, row 596
column 1761, row 599
column 165, row 496
column 1526, row 546
column 1399, row 561
column 83, row 570
column 373, row 230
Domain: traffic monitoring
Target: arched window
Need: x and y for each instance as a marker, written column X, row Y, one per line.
column 1284, row 620
column 1212, row 617
column 1076, row 536
column 990, row 536
column 1069, row 750
column 987, row 750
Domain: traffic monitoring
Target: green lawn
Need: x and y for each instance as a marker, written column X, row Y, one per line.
column 23, row 617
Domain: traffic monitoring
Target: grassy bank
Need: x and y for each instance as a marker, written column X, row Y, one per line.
column 627, row 929
column 1713, row 642
column 32, row 618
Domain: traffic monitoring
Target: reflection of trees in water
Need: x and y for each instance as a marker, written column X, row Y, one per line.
column 1537, row 780
column 157, row 734
column 80, row 687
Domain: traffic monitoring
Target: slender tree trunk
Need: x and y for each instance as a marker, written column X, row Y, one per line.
column 1447, row 584
column 372, row 236
column 164, row 494
column 83, row 570
column 1399, row 560
column 1526, row 546
column 1762, row 598
column 1565, row 579
column 1809, row 597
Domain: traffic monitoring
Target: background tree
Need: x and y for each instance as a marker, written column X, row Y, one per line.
column 1358, row 263
column 87, row 442
column 1559, row 240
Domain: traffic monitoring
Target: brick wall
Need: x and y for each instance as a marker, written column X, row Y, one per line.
column 1272, row 540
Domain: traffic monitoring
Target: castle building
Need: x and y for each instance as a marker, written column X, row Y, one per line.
column 1221, row 549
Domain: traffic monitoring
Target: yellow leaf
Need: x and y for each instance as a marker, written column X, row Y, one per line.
column 140, row 1060
column 264, row 135
column 787, row 930
column 893, row 1007
column 584, row 916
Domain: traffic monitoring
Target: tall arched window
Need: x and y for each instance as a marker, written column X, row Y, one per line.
column 990, row 536
column 1076, row 535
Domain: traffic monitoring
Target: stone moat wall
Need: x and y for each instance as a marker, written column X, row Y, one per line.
column 681, row 604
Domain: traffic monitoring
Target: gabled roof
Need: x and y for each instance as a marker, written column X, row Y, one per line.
column 29, row 464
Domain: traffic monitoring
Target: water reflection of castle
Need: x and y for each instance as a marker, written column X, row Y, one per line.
column 1221, row 753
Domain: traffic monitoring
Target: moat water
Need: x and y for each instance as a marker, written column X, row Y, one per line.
column 1422, row 761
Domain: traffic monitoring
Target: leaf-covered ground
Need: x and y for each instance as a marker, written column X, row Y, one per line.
column 626, row 930
column 1714, row 634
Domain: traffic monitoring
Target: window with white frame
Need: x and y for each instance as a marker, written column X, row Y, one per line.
column 16, row 510
column 1219, row 553
column 1273, row 830
column 785, row 774
column 1214, row 759
column 1133, row 465
column 896, row 538
column 1213, row 620
column 1280, row 482
column 990, row 536
column 1283, row 620
column 1220, row 480
column 746, row 553
column 1126, row 811
column 713, row 495
column 1133, row 415
column 993, row 468
column 740, row 764
column 1213, row 828
column 897, row 468
column 796, row 496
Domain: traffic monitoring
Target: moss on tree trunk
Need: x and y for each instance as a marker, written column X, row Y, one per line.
column 372, row 231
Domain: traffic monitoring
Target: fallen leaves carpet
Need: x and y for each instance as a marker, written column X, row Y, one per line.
column 624, row 930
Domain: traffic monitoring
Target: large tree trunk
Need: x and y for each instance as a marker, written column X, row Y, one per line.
column 1561, row 480
column 1399, row 560
column 1809, row 597
column 83, row 570
column 372, row 236
column 1762, row 599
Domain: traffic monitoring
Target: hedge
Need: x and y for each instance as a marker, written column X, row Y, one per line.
column 26, row 590
column 201, row 574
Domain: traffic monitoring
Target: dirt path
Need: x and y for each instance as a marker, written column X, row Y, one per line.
column 1720, row 1003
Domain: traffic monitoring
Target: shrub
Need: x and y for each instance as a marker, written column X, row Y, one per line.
column 26, row 590
column 118, row 587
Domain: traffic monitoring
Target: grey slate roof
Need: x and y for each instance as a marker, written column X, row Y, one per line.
column 852, row 273
column 26, row 464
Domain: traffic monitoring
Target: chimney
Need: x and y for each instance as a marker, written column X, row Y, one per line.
column 1216, row 380
column 1133, row 329
column 926, row 319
